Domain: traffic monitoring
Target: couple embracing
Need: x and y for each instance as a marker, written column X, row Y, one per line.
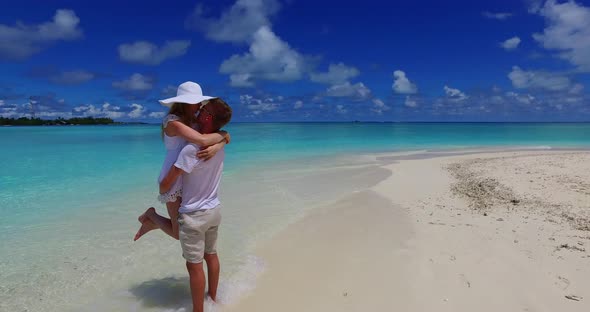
column 189, row 181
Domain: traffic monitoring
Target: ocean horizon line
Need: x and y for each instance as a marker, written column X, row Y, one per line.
column 119, row 123
column 143, row 123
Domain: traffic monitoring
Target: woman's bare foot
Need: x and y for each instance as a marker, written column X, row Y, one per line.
column 146, row 226
column 143, row 217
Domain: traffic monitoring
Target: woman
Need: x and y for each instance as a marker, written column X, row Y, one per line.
column 177, row 130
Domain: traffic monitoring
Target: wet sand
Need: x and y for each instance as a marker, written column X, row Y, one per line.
column 484, row 231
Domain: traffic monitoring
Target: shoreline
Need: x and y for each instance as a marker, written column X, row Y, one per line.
column 424, row 245
column 263, row 204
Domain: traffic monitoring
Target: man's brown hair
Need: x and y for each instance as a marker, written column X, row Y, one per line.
column 221, row 112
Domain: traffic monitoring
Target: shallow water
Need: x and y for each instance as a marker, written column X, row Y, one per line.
column 70, row 196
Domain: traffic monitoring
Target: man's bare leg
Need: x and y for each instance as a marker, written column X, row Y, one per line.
column 212, row 274
column 197, row 282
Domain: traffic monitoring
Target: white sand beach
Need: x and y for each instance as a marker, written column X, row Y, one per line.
column 483, row 231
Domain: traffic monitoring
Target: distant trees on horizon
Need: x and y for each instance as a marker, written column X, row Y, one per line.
column 24, row 121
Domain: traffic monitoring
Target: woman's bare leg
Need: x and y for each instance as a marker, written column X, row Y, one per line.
column 151, row 220
column 146, row 226
column 173, row 213
column 168, row 226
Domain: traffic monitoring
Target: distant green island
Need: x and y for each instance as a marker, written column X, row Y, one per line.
column 24, row 121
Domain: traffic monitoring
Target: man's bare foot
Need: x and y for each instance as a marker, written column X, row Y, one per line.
column 146, row 226
column 143, row 217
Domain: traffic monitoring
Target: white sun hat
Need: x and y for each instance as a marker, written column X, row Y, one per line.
column 189, row 92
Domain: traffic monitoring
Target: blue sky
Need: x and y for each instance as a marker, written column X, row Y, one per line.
column 292, row 60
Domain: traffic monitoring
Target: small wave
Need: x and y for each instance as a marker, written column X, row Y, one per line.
column 242, row 282
column 231, row 289
column 542, row 147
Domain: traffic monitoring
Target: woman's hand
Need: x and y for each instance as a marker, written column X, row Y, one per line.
column 208, row 152
column 225, row 136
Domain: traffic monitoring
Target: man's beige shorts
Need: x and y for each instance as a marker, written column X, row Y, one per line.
column 198, row 233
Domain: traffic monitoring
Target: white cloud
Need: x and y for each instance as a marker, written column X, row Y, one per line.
column 138, row 111
column 108, row 106
column 577, row 89
column 410, row 102
column 169, row 91
column 106, row 110
column 510, row 44
column 538, row 80
column 535, row 5
column 401, row 84
column 114, row 115
column 20, row 41
column 137, row 82
column 340, row 109
column 258, row 106
column 573, row 100
column 379, row 106
column 498, row 16
column 496, row 99
column 336, row 74
column 525, row 104
column 72, row 77
column 56, row 76
column 134, row 111
column 263, row 106
column 241, row 80
column 10, row 112
column 358, row 90
column 378, row 103
column 455, row 94
column 144, row 52
column 298, row 105
column 157, row 114
column 246, row 99
column 567, row 31
column 269, row 58
column 50, row 114
column 238, row 23
column 521, row 98
column 526, row 99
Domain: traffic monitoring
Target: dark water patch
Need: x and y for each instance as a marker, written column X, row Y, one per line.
column 169, row 292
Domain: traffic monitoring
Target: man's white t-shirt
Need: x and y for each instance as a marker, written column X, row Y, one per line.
column 200, row 180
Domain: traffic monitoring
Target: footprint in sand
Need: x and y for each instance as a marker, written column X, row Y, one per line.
column 563, row 282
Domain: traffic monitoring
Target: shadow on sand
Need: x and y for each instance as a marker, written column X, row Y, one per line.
column 169, row 292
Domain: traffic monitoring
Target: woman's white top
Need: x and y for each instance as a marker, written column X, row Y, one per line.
column 174, row 145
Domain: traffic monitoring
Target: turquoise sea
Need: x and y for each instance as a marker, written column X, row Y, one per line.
column 69, row 198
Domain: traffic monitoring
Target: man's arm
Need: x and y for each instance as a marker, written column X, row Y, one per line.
column 185, row 163
column 193, row 136
column 173, row 174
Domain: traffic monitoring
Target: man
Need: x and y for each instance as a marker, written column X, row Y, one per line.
column 199, row 212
